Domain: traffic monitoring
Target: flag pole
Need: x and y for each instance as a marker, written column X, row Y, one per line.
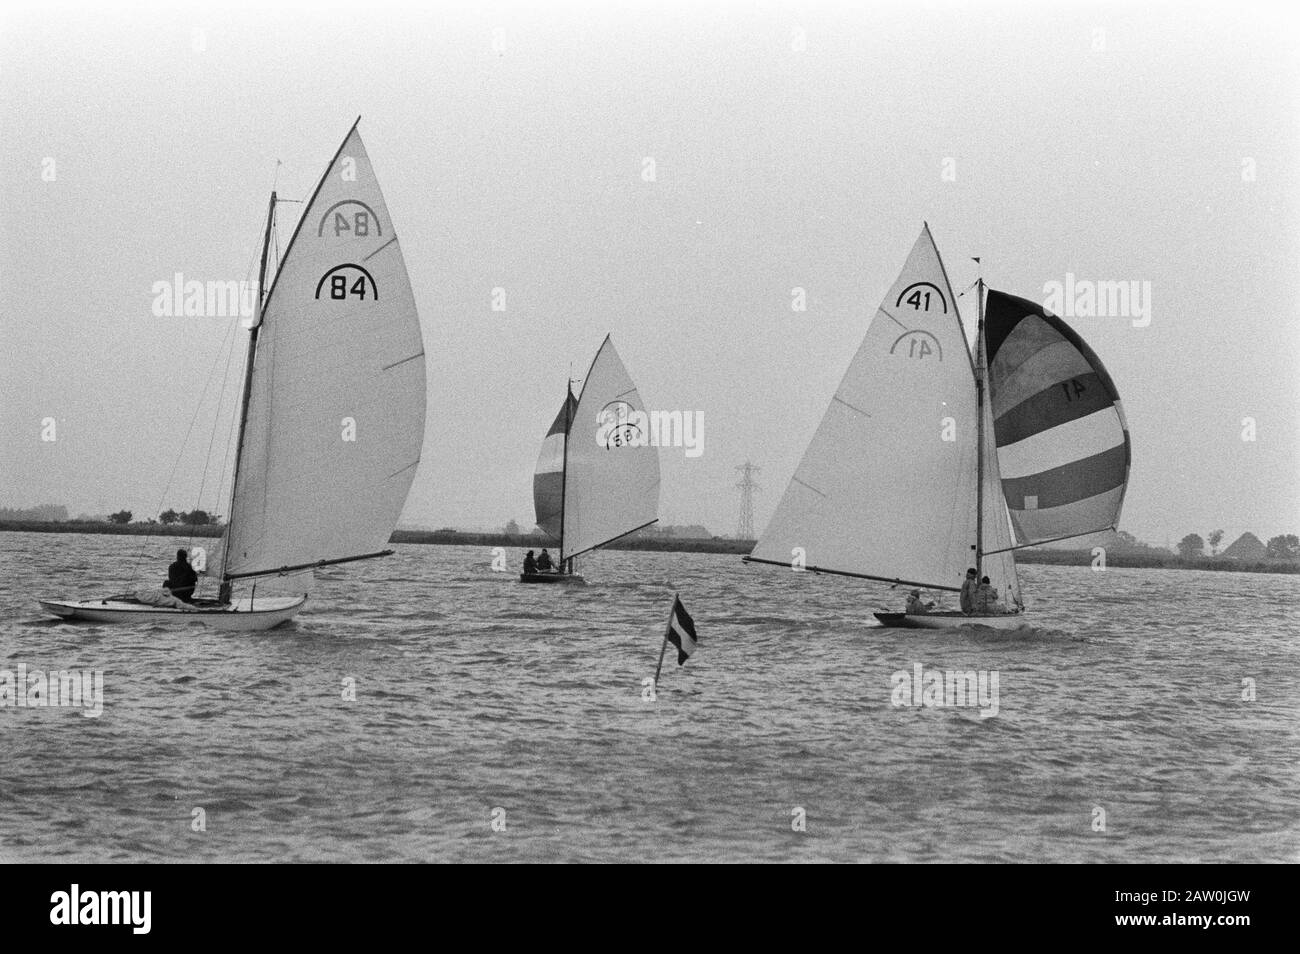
column 664, row 648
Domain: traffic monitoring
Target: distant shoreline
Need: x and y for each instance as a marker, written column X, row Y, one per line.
column 1114, row 558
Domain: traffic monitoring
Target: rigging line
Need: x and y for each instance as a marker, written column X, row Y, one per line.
column 203, row 478
column 225, row 457
column 248, row 277
column 135, row 566
column 216, row 418
column 234, row 418
column 228, row 345
column 230, row 432
column 135, row 563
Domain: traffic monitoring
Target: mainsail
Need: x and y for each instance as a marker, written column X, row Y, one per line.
column 612, row 475
column 336, row 398
column 887, row 488
column 548, row 478
column 1063, row 444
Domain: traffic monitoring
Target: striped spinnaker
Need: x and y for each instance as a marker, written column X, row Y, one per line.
column 1063, row 444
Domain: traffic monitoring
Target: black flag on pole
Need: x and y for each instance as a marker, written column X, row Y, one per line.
column 681, row 631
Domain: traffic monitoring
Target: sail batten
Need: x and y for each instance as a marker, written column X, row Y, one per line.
column 336, row 397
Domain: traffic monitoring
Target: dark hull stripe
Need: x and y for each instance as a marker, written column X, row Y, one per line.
column 1056, row 404
column 1070, row 482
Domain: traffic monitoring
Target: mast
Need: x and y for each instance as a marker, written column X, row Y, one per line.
column 564, row 468
column 979, row 436
column 248, row 388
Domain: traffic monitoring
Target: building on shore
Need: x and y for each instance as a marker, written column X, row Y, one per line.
column 1245, row 547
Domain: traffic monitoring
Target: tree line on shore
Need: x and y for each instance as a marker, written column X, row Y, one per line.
column 1193, row 548
column 192, row 518
column 1284, row 546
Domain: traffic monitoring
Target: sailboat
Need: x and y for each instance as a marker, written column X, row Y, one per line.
column 598, row 481
column 332, row 415
column 930, row 460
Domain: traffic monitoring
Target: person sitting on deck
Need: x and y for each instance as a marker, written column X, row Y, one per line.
column 530, row 563
column 914, row 605
column 544, row 564
column 968, row 588
column 181, row 578
column 986, row 598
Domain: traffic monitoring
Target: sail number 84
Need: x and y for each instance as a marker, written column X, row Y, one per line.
column 340, row 289
column 359, row 226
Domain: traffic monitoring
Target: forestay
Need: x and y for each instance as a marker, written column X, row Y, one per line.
column 337, row 394
column 1063, row 444
column 612, row 485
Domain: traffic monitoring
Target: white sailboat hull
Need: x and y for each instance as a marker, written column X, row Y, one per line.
column 242, row 615
column 951, row 620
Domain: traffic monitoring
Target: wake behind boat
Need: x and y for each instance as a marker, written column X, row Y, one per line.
column 902, row 483
column 332, row 417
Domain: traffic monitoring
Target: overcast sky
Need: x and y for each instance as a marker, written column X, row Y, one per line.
column 793, row 145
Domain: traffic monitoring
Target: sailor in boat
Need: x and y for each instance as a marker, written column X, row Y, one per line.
column 968, row 588
column 181, row 578
column 544, row 564
column 914, row 605
column 530, row 563
column 986, row 599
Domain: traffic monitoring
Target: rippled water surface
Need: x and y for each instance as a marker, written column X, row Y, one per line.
column 477, row 697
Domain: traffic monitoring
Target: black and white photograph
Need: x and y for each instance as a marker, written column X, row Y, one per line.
column 669, row 432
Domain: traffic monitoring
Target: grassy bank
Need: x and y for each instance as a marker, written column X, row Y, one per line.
column 116, row 529
column 1154, row 559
